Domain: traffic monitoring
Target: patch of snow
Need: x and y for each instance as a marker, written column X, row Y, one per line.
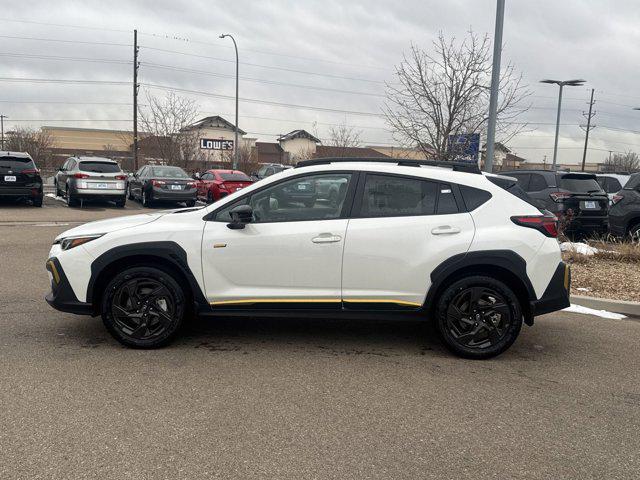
column 55, row 197
column 578, row 247
column 591, row 311
column 583, row 289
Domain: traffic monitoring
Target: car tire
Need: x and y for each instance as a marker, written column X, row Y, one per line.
column 71, row 200
column 37, row 201
column 143, row 307
column 634, row 233
column 146, row 199
column 191, row 203
column 121, row 203
column 478, row 317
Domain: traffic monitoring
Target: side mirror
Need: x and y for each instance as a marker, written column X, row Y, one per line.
column 61, row 169
column 240, row 216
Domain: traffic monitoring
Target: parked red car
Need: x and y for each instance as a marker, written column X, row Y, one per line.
column 216, row 184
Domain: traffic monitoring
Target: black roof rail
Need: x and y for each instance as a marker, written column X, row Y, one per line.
column 404, row 162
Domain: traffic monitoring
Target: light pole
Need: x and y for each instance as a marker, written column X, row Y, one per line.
column 561, row 84
column 495, row 85
column 236, row 150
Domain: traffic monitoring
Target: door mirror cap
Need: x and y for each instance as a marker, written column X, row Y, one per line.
column 240, row 216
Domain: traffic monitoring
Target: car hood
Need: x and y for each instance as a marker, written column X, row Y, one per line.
column 113, row 224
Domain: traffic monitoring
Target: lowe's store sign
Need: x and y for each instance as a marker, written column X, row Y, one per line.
column 211, row 144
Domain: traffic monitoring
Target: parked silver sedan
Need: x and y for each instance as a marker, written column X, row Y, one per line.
column 91, row 178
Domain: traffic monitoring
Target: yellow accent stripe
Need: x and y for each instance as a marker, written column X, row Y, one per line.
column 370, row 300
column 313, row 300
column 278, row 300
column 54, row 271
column 566, row 277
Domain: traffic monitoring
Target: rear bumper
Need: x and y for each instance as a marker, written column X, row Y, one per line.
column 61, row 296
column 174, row 195
column 556, row 295
column 34, row 190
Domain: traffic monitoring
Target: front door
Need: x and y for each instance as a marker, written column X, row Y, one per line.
column 290, row 255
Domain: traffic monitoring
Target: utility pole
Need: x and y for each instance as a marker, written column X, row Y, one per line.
column 236, row 147
column 495, row 84
column 2, row 117
column 136, row 65
column 589, row 116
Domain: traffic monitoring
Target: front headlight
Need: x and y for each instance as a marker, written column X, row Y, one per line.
column 71, row 242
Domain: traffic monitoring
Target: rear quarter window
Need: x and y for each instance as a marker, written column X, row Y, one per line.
column 473, row 197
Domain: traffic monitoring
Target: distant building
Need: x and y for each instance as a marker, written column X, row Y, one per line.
column 500, row 153
column 299, row 144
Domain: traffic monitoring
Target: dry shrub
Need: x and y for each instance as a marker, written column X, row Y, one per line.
column 616, row 249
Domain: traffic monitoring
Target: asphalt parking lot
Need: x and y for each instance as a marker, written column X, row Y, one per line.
column 299, row 398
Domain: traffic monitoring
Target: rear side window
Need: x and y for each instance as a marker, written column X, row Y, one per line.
column 16, row 164
column 536, row 183
column 514, row 188
column 391, row 196
column 612, row 185
column 579, row 184
column 523, row 179
column 633, row 182
column 234, row 177
column 99, row 167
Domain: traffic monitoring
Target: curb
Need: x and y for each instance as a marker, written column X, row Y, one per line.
column 631, row 309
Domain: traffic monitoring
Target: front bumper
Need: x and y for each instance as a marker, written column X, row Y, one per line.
column 61, row 296
column 557, row 294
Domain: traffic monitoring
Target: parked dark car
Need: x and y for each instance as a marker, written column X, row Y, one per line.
column 20, row 178
column 154, row 183
column 624, row 215
column 269, row 169
column 215, row 184
column 91, row 178
column 575, row 198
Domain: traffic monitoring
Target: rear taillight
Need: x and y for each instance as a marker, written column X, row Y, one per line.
column 80, row 175
column 616, row 198
column 191, row 184
column 155, row 183
column 546, row 224
column 559, row 196
column 30, row 171
column 121, row 177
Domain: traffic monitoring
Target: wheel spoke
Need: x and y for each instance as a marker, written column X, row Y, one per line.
column 140, row 331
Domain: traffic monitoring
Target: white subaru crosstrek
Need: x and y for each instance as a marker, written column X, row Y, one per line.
column 400, row 238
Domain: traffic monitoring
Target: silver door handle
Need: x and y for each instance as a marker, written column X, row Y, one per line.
column 445, row 230
column 326, row 238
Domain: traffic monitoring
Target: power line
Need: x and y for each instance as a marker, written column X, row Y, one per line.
column 259, row 80
column 83, row 42
column 285, row 69
column 62, row 102
column 33, row 22
column 62, row 81
column 262, row 102
column 63, row 58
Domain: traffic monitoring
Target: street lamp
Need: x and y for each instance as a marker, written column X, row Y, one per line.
column 236, row 151
column 561, row 84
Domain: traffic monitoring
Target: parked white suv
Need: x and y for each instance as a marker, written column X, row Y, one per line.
column 404, row 238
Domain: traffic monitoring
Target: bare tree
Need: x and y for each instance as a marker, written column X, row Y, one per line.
column 37, row 143
column 446, row 92
column 623, row 162
column 344, row 136
column 165, row 120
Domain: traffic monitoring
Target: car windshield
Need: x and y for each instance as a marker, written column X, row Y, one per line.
column 99, row 167
column 235, row 177
column 168, row 172
column 579, row 184
column 16, row 164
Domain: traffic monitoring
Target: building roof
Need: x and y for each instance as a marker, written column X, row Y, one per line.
column 269, row 147
column 298, row 134
column 330, row 151
column 215, row 121
column 497, row 146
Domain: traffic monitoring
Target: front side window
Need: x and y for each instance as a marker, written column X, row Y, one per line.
column 391, row 196
column 294, row 200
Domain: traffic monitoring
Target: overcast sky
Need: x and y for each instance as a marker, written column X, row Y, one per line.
column 332, row 55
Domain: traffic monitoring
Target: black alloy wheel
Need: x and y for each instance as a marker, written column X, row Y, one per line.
column 143, row 307
column 146, row 198
column 479, row 317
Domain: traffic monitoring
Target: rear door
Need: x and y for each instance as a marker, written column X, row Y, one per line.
column 401, row 229
column 203, row 184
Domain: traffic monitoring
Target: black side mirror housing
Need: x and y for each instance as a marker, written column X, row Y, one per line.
column 240, row 216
